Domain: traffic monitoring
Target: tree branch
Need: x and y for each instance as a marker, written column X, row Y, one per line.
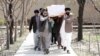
column 29, row 8
column 95, row 6
column 15, row 3
column 26, row 7
column 16, row 17
column 17, row 7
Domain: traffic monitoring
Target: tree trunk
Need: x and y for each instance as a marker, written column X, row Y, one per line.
column 11, row 22
column 15, row 37
column 80, row 23
column 80, row 18
column 11, row 33
column 8, row 37
column 22, row 21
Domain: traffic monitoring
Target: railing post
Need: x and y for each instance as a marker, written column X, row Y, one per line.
column 89, row 42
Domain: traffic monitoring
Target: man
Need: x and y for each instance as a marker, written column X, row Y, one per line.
column 56, row 31
column 67, row 33
column 45, row 31
column 41, row 9
column 35, row 24
column 54, row 28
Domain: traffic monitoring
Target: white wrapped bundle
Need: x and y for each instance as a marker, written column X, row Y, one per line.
column 56, row 10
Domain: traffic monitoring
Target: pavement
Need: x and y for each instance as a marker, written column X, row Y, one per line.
column 27, row 49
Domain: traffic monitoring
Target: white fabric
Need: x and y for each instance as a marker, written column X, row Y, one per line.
column 67, row 40
column 62, row 29
column 56, row 10
column 65, row 37
column 43, row 18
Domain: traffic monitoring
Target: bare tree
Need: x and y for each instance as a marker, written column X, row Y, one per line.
column 96, row 8
column 15, row 8
column 25, row 11
column 8, row 9
column 22, row 20
column 11, row 25
column 81, row 4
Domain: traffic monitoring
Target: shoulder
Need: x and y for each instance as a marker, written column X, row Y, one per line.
column 33, row 17
column 72, row 15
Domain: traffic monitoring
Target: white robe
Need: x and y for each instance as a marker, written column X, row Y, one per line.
column 65, row 37
column 62, row 32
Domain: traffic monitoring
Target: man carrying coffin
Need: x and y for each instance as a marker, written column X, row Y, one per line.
column 56, row 13
column 67, row 29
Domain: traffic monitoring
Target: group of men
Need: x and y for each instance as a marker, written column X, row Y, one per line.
column 51, row 30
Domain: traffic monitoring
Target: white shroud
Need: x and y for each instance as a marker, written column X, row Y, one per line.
column 56, row 10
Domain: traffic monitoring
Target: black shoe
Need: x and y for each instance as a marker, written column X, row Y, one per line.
column 51, row 43
column 46, row 51
column 55, row 42
column 64, row 48
column 35, row 47
column 68, row 52
column 39, row 49
column 60, row 46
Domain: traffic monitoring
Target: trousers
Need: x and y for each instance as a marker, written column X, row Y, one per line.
column 37, row 39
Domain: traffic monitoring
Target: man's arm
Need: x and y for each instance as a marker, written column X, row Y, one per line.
column 31, row 23
column 43, row 19
column 71, row 19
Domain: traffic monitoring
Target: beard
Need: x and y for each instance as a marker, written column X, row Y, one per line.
column 45, row 15
column 68, row 13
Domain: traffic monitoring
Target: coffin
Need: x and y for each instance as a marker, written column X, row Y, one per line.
column 56, row 10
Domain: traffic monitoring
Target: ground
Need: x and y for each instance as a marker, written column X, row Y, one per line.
column 87, row 47
column 27, row 49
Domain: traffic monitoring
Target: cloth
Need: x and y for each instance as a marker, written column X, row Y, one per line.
column 38, row 21
column 45, row 34
column 62, row 29
column 65, row 37
column 67, row 40
column 68, row 23
column 43, row 18
column 37, row 39
column 56, row 10
column 33, row 24
column 44, row 22
column 45, row 40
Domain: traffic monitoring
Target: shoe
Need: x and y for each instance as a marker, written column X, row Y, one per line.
column 39, row 49
column 68, row 52
column 46, row 51
column 35, row 47
column 51, row 43
column 60, row 46
column 64, row 48
column 55, row 42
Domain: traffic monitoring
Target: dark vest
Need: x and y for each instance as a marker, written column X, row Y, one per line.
column 42, row 25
